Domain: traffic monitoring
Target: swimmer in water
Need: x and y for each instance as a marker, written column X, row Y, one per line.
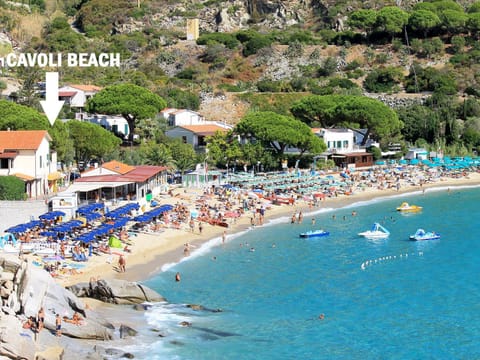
column 321, row 317
column 177, row 277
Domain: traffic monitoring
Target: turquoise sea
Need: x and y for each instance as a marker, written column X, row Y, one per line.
column 417, row 300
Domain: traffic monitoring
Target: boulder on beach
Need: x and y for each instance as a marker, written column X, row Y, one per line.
column 116, row 291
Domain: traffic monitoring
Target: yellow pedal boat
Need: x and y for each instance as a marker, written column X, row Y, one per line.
column 405, row 206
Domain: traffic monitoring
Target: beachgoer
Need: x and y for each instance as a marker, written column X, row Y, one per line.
column 76, row 318
column 122, row 263
column 29, row 324
column 313, row 221
column 186, row 249
column 300, row 217
column 321, row 316
column 58, row 325
column 224, row 236
column 177, row 277
column 200, row 227
column 294, row 218
column 40, row 319
column 354, row 213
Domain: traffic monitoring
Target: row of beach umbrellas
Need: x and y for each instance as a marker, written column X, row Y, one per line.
column 149, row 215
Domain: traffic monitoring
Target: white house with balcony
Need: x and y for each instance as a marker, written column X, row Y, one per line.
column 26, row 154
column 337, row 140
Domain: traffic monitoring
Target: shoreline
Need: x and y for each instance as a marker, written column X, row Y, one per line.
column 152, row 252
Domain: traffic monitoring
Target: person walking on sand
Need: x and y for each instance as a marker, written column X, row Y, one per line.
column 58, row 325
column 200, row 227
column 224, row 236
column 122, row 263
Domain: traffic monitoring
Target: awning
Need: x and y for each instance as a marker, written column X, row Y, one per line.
column 83, row 187
column 54, row 176
column 8, row 155
column 24, row 177
column 90, row 186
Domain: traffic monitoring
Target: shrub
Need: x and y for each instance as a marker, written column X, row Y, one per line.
column 11, row 188
column 229, row 40
column 255, row 44
column 383, row 80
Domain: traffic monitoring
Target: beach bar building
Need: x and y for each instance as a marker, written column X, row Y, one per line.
column 353, row 160
column 115, row 181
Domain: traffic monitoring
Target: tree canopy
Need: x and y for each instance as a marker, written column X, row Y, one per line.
column 353, row 112
column 91, row 140
column 278, row 132
column 131, row 101
column 20, row 117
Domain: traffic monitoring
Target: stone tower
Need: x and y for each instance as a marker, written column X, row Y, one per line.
column 192, row 29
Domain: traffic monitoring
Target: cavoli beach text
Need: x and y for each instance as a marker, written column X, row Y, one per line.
column 58, row 59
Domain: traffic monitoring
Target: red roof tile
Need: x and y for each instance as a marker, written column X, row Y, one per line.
column 204, row 129
column 87, row 88
column 139, row 174
column 22, row 139
column 8, row 155
column 66, row 93
column 118, row 167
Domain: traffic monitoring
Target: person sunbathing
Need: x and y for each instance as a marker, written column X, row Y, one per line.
column 29, row 324
column 76, row 319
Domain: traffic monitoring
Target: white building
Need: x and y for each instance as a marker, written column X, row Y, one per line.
column 76, row 96
column 337, row 140
column 27, row 155
column 116, row 124
column 176, row 117
column 195, row 135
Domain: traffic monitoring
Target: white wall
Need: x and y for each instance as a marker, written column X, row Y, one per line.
column 332, row 138
column 185, row 118
column 79, row 99
column 18, row 212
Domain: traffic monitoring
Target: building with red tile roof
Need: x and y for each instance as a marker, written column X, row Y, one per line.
column 116, row 181
column 27, row 155
column 195, row 135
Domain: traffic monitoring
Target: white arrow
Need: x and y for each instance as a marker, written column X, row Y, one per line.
column 51, row 105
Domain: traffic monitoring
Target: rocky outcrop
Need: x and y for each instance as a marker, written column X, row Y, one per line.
column 400, row 100
column 25, row 288
column 116, row 292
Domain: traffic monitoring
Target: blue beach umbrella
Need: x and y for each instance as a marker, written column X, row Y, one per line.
column 17, row 229
column 52, row 215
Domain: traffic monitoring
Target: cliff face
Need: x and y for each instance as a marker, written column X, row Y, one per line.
column 228, row 16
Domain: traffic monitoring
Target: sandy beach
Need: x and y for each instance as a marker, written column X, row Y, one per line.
column 151, row 251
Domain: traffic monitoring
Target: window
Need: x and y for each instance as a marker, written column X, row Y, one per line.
column 40, row 163
column 345, row 144
column 4, row 163
column 184, row 139
column 339, row 144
